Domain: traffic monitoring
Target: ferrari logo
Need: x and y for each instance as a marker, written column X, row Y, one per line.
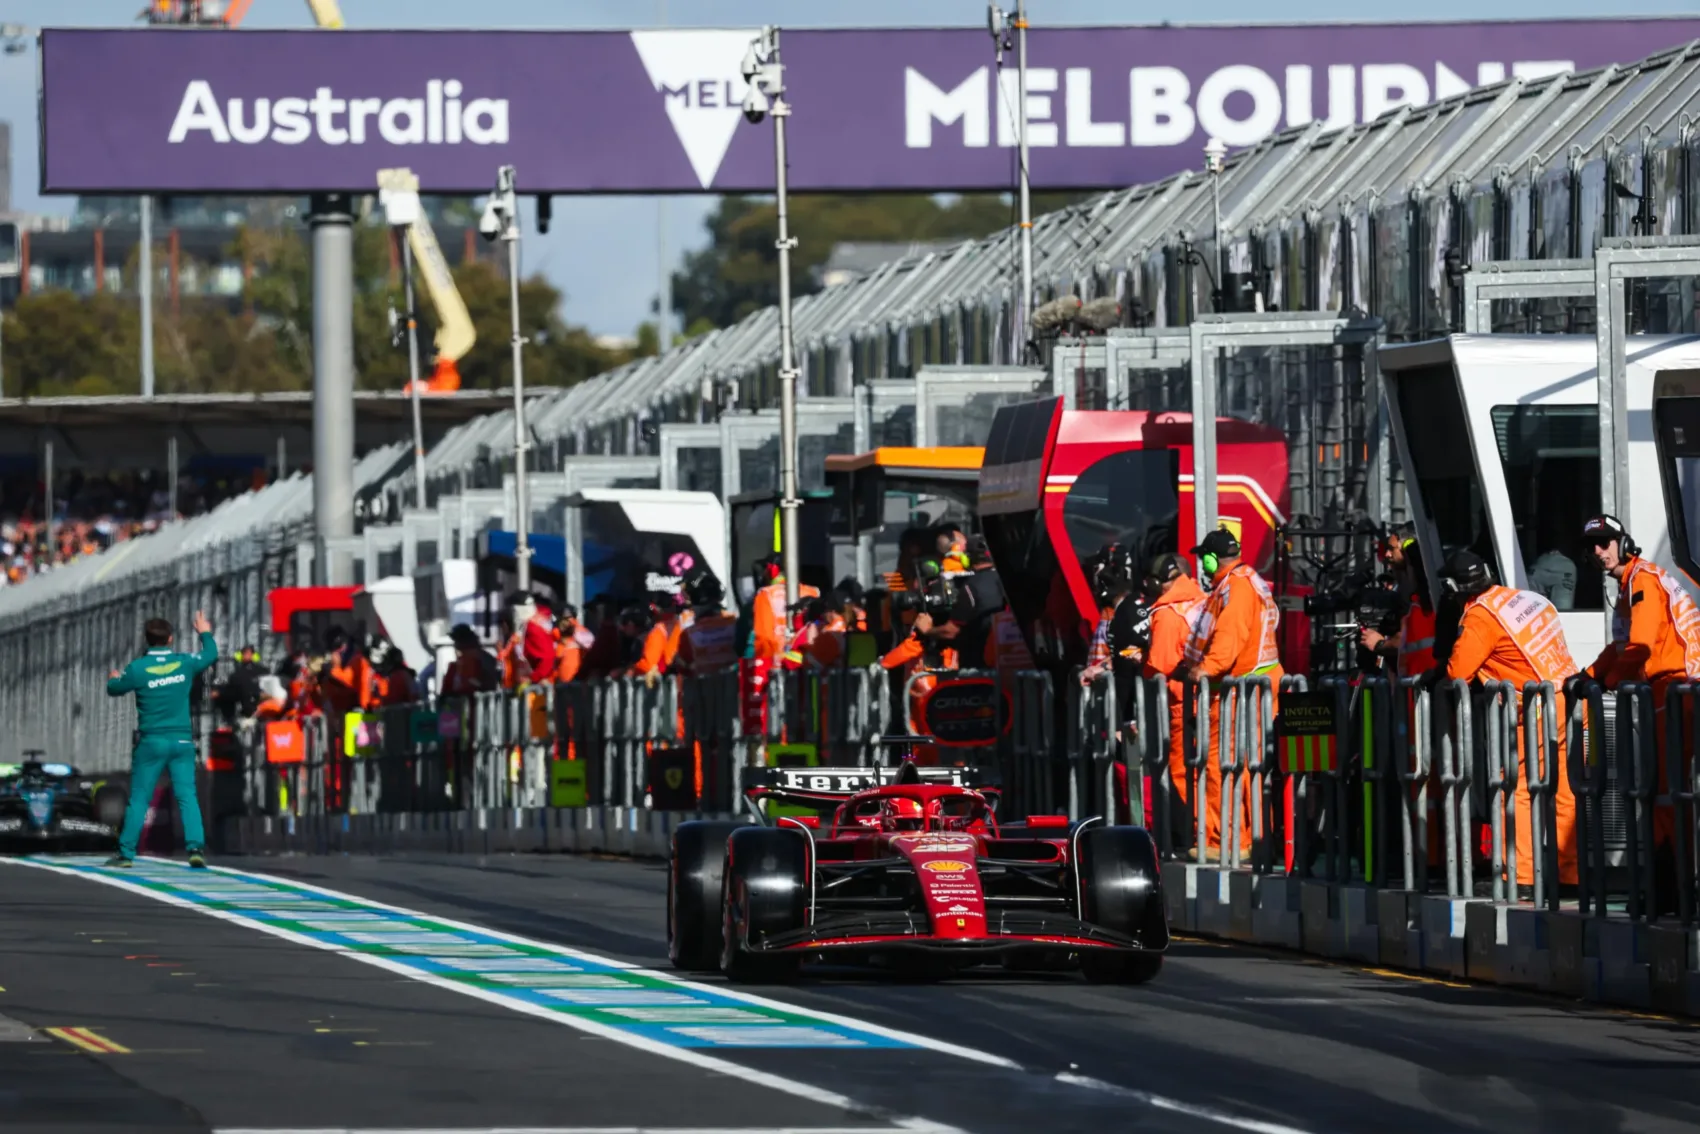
column 1233, row 525
column 962, row 923
column 675, row 777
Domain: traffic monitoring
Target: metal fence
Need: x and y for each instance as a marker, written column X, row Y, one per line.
column 1427, row 788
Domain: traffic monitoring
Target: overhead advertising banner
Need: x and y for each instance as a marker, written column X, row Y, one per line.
column 660, row 111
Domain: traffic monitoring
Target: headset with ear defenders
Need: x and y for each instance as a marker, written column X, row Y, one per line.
column 1209, row 562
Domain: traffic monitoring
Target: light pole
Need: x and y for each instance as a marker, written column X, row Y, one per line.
column 765, row 75
column 1000, row 25
column 1215, row 153
column 144, row 286
column 501, row 222
column 398, row 193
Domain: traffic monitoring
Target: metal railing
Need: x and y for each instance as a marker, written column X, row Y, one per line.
column 1490, row 793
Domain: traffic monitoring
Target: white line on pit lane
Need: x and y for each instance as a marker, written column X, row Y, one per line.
column 1202, row 1113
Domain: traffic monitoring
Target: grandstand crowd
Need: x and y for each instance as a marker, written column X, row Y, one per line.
column 91, row 512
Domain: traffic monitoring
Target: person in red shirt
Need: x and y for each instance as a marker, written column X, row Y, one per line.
column 534, row 645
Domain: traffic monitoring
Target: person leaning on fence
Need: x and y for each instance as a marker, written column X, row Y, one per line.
column 395, row 683
column 1235, row 636
column 572, row 644
column 1655, row 638
column 1176, row 604
column 1515, row 636
column 661, row 640
column 473, row 669
column 1411, row 650
column 345, row 679
column 709, row 644
column 165, row 743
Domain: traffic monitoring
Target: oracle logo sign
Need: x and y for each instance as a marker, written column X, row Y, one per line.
column 1158, row 106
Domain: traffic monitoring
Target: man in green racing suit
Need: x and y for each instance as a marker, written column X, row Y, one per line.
column 161, row 680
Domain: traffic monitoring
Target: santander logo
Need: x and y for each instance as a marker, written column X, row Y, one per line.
column 443, row 117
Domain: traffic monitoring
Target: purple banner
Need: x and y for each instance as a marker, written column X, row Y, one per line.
column 659, row 111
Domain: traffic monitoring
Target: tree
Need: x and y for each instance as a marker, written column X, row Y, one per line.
column 57, row 343
column 737, row 273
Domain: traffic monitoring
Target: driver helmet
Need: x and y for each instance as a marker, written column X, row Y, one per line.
column 902, row 815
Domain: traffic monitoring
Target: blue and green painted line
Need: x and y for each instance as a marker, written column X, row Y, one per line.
column 593, row 992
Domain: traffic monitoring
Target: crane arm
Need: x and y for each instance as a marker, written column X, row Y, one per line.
column 454, row 323
column 326, row 13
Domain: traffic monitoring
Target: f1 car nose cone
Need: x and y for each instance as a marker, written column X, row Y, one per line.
column 40, row 804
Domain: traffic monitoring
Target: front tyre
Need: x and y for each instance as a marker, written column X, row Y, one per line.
column 1121, row 888
column 694, row 864
column 765, row 887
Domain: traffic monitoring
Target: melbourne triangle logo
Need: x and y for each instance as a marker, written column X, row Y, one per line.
column 696, row 74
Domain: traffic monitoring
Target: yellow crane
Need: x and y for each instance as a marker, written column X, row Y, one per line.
column 454, row 323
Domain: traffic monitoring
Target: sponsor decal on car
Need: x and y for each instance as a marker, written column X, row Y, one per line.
column 84, row 827
column 932, row 844
column 946, row 866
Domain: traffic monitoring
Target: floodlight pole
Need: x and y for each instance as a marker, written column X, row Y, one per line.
column 144, row 288
column 522, row 435
column 766, row 77
column 413, row 371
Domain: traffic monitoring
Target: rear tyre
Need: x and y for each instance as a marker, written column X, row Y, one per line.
column 693, row 894
column 766, row 888
column 1122, row 890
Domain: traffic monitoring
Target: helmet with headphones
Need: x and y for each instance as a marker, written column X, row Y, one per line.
column 1466, row 574
column 1604, row 529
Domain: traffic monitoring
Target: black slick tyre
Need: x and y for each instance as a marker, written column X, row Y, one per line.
column 765, row 891
column 693, row 894
column 1122, row 890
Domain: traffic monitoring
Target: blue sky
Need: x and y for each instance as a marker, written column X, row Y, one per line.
column 591, row 233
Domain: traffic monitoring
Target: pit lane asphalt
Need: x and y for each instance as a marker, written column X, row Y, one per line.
column 1263, row 1038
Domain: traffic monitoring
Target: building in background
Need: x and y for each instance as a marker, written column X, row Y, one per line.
column 196, row 252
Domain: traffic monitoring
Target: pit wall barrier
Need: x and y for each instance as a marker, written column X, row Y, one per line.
column 1395, row 844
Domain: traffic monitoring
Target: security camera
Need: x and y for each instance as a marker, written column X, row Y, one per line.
column 1215, row 152
column 490, row 223
column 996, row 21
column 755, row 105
column 751, row 63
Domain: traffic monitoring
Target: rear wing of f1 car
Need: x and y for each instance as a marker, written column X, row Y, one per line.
column 847, row 781
column 819, row 789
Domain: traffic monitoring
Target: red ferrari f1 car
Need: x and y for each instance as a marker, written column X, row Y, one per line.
column 909, row 867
